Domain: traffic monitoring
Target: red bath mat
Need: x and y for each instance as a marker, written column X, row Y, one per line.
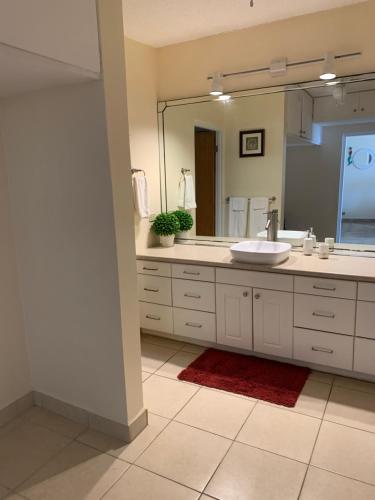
column 271, row 381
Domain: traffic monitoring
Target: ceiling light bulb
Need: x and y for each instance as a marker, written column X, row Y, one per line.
column 216, row 85
column 328, row 71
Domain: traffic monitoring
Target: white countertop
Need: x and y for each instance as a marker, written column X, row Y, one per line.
column 338, row 266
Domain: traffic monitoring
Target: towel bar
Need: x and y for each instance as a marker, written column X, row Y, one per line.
column 271, row 200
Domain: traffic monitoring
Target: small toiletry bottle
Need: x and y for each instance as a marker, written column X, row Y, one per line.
column 308, row 245
column 330, row 242
column 323, row 251
column 312, row 236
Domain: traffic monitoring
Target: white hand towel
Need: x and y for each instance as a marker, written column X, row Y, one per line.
column 140, row 190
column 258, row 216
column 238, row 208
column 186, row 192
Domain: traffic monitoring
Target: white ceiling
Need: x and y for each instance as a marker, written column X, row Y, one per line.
column 164, row 22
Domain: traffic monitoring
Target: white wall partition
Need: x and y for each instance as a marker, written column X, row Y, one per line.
column 14, row 365
column 56, row 154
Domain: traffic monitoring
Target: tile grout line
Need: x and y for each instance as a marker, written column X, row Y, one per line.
column 41, row 467
column 314, row 446
column 230, row 447
column 341, row 475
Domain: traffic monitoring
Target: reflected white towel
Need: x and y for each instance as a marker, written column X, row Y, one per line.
column 186, row 192
column 237, row 216
column 140, row 190
column 258, row 216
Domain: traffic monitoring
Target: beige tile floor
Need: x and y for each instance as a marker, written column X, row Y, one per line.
column 201, row 444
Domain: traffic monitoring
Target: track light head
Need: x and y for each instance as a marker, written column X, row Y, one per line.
column 216, row 85
column 328, row 70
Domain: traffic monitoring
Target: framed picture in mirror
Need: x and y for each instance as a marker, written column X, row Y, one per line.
column 251, row 143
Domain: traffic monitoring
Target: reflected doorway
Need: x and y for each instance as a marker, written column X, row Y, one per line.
column 207, row 181
column 356, row 214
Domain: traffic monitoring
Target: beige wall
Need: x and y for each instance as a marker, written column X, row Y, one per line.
column 183, row 68
column 263, row 175
column 141, row 78
column 14, row 364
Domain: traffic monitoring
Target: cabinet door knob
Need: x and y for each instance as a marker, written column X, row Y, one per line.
column 257, row 296
column 362, row 109
column 245, row 294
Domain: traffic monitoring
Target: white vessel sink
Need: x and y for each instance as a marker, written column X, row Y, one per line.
column 295, row 238
column 260, row 252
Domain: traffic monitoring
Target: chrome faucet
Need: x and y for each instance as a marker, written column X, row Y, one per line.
column 271, row 226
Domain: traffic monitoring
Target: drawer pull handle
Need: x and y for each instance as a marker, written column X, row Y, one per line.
column 194, row 325
column 326, row 288
column 192, row 295
column 324, row 315
column 151, row 316
column 322, row 349
column 150, row 268
column 193, row 273
column 155, row 290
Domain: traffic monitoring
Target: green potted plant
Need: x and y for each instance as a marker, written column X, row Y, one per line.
column 166, row 225
column 186, row 222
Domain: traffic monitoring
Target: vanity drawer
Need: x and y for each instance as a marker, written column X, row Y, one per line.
column 194, row 324
column 193, row 295
column 364, row 356
column 270, row 281
column 326, row 287
column 188, row 272
column 323, row 348
column 155, row 289
column 157, row 318
column 154, row 268
column 324, row 313
column 366, row 291
column 365, row 323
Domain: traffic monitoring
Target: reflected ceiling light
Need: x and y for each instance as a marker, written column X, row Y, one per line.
column 328, row 71
column 216, row 85
column 224, row 97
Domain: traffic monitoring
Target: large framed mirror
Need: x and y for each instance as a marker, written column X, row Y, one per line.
column 307, row 150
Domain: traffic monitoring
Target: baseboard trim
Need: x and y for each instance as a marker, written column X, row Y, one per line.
column 125, row 432
column 16, row 408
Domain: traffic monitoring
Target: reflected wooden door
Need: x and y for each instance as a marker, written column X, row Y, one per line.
column 205, row 181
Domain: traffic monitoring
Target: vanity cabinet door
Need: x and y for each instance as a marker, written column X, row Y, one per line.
column 234, row 316
column 273, row 322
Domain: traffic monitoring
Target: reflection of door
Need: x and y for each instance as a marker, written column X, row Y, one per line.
column 205, row 181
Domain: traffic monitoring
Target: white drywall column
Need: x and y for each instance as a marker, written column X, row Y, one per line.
column 113, row 59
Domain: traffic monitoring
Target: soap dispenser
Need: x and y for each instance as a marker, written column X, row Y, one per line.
column 312, row 236
column 308, row 244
